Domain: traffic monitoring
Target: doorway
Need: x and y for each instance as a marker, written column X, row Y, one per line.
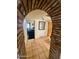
column 30, row 27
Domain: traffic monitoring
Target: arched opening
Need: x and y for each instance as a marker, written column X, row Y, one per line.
column 53, row 8
column 38, row 24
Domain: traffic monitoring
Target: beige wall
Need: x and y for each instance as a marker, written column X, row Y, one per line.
column 40, row 33
column 25, row 32
column 49, row 28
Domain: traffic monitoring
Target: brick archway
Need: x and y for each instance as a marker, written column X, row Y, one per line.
column 53, row 8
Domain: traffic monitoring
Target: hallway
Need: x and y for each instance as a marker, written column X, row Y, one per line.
column 39, row 46
column 46, row 15
column 37, row 49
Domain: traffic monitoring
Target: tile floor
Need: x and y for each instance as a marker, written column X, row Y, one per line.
column 37, row 49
